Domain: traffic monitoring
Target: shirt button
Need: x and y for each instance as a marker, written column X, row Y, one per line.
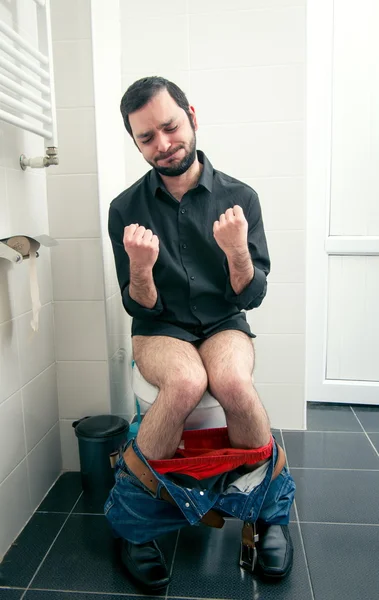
column 194, row 308
column 183, row 211
column 192, row 277
column 184, row 246
column 187, row 505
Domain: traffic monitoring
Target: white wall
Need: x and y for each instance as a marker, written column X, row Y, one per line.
column 241, row 65
column 30, row 456
column 73, row 203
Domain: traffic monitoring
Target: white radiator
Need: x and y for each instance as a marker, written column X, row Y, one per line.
column 27, row 95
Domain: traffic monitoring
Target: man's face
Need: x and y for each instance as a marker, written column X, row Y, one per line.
column 164, row 135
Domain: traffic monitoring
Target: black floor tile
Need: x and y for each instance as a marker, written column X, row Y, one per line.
column 331, row 418
column 85, row 557
column 368, row 416
column 44, row 595
column 337, row 496
column 343, row 560
column 64, row 494
column 374, row 437
column 206, row 566
column 91, row 503
column 26, row 553
column 331, row 450
column 10, row 594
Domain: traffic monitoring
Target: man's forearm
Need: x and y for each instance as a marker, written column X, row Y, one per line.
column 142, row 287
column 241, row 270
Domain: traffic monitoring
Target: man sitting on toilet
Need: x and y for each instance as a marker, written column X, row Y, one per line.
column 191, row 255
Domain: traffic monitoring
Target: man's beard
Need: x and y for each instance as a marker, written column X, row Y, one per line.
column 179, row 168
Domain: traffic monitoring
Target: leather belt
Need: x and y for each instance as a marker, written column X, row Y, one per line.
column 212, row 518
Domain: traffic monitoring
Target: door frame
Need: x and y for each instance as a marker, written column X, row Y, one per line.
column 319, row 245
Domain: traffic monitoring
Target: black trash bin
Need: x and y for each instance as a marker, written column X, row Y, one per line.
column 99, row 437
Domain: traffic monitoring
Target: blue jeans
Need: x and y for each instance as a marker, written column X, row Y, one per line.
column 138, row 515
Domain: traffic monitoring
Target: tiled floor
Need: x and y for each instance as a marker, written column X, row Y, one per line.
column 66, row 550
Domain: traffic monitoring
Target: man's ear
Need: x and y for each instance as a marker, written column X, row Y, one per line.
column 194, row 118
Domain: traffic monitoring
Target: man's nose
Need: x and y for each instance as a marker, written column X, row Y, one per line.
column 163, row 143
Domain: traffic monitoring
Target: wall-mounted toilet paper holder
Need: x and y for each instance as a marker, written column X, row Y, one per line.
column 18, row 247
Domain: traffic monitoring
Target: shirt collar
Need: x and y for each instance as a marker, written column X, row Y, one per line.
column 206, row 177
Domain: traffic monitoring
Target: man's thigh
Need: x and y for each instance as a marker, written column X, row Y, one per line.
column 163, row 359
column 226, row 353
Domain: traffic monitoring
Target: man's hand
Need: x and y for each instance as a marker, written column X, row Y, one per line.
column 230, row 231
column 142, row 246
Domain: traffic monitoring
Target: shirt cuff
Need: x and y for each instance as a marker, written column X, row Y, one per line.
column 134, row 309
column 252, row 295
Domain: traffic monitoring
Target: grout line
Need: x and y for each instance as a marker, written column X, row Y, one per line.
column 299, row 529
column 316, row 431
column 365, row 432
column 172, row 562
column 331, row 469
column 330, row 523
column 50, row 547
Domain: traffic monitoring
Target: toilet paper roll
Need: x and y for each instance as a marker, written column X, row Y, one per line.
column 28, row 247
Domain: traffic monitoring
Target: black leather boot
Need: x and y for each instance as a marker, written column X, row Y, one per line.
column 146, row 563
column 275, row 550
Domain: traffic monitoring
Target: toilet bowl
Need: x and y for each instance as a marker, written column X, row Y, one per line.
column 208, row 413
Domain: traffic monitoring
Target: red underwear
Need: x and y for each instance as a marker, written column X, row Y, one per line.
column 208, row 452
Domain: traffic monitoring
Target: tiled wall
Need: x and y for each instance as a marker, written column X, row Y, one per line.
column 73, row 203
column 242, row 66
column 30, row 454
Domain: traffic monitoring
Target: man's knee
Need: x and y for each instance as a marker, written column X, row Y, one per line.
column 186, row 386
column 231, row 387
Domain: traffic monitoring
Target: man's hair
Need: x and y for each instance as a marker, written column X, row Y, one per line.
column 143, row 90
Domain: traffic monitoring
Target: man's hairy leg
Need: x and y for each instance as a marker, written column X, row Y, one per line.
column 175, row 367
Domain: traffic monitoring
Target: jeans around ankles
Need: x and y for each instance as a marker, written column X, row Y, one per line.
column 138, row 515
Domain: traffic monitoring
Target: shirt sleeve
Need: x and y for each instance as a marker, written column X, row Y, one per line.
column 255, row 291
column 116, row 234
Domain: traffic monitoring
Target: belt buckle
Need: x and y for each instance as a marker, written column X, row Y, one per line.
column 248, row 557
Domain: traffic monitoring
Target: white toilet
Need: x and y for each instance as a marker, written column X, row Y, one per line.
column 208, row 413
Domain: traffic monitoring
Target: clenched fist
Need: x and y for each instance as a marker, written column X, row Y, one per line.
column 141, row 245
column 230, row 231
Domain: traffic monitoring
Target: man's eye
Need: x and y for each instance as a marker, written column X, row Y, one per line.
column 147, row 141
column 172, row 129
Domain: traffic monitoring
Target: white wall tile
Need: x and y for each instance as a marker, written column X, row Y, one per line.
column 247, row 38
column 212, row 6
column 166, row 37
column 279, row 358
column 44, row 465
column 287, row 254
column 64, row 26
column 36, row 348
column 282, row 201
column 70, row 448
column 251, row 94
column 12, row 439
column 27, row 202
column 181, row 78
column 255, row 149
column 80, row 330
column 284, row 404
column 9, row 363
column 40, row 402
column 15, row 507
column 282, row 310
column 4, row 209
column 73, row 69
column 83, row 389
column 77, row 270
column 152, row 8
column 73, row 206
column 77, row 141
column 14, row 142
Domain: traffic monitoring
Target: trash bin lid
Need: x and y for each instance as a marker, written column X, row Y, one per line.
column 100, row 426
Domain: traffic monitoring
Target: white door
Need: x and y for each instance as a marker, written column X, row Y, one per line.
column 342, row 331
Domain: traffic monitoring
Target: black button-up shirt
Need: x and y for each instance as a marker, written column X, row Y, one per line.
column 195, row 297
